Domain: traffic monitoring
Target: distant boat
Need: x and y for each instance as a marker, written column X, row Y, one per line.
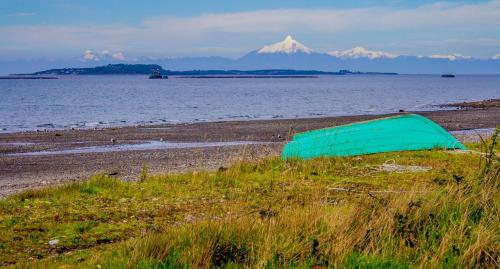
column 398, row 133
column 447, row 76
column 157, row 75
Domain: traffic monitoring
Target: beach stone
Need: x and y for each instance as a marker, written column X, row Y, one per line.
column 222, row 169
column 112, row 173
column 190, row 218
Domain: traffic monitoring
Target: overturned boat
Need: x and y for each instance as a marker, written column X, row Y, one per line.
column 397, row 133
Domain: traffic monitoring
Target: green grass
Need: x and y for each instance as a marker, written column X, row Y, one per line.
column 332, row 213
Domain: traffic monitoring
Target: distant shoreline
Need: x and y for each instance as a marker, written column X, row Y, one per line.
column 249, row 76
column 26, row 77
column 146, row 69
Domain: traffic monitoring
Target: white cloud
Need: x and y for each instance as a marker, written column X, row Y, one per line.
column 103, row 55
column 90, row 55
column 496, row 57
column 21, row 14
column 118, row 56
column 334, row 20
column 175, row 35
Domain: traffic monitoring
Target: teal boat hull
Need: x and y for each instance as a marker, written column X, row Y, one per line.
column 398, row 133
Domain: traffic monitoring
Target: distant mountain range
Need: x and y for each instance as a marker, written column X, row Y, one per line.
column 287, row 54
column 291, row 54
column 146, row 69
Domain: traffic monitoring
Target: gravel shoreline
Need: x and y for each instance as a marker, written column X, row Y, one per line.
column 24, row 172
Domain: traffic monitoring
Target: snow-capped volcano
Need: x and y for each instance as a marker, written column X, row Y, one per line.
column 360, row 52
column 288, row 45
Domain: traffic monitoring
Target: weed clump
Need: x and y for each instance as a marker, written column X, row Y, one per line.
column 143, row 176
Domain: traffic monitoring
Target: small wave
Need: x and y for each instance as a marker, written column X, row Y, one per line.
column 46, row 125
column 93, row 124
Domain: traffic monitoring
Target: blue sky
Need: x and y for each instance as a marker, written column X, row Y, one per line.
column 58, row 29
column 133, row 12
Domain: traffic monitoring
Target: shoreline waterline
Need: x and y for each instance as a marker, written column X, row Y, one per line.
column 160, row 123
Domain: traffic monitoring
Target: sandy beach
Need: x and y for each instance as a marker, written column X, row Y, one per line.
column 123, row 152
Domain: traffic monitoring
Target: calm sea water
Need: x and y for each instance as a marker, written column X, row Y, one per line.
column 103, row 101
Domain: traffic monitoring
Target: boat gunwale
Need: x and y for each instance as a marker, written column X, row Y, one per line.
column 430, row 123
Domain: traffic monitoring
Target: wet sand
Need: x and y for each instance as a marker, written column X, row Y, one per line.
column 19, row 172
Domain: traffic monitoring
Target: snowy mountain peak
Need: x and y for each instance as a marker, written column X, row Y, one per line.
column 451, row 57
column 360, row 52
column 288, row 45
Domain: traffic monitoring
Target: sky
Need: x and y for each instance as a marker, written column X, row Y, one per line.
column 55, row 29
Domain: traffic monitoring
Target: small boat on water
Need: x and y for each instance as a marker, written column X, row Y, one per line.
column 157, row 75
column 397, row 133
column 447, row 76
